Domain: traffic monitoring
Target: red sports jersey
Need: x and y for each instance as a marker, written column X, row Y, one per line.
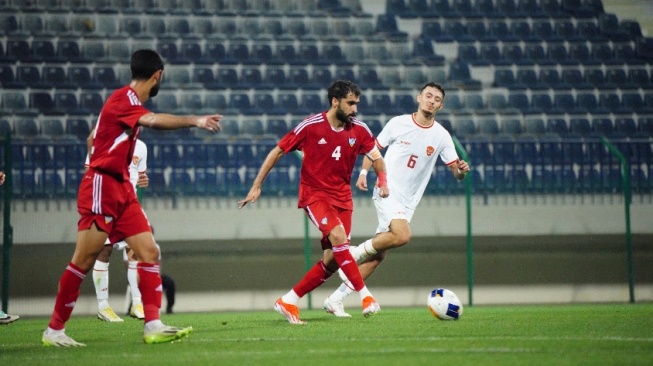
column 329, row 158
column 116, row 133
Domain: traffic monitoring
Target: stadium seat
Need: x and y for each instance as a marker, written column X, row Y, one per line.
column 580, row 127
column 625, row 126
column 557, row 126
column 25, row 127
column 77, row 127
column 42, row 101
column 43, row 50
column 66, row 102
column 602, row 127
column 52, row 127
column 588, row 103
column 573, row 78
column 277, row 127
column 610, row 101
column 288, row 103
column 540, row 103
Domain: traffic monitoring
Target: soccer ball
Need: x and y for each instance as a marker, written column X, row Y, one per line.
column 444, row 304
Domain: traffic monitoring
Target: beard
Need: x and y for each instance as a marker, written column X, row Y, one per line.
column 154, row 91
column 344, row 118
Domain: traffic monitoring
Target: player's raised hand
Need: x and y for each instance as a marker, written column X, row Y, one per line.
column 361, row 182
column 210, row 122
column 252, row 196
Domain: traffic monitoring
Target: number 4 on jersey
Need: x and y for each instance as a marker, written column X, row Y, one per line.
column 336, row 153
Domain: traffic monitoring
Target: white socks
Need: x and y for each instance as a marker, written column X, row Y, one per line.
column 290, row 298
column 363, row 251
column 101, row 282
column 132, row 278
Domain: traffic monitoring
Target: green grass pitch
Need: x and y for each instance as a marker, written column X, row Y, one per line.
column 597, row 334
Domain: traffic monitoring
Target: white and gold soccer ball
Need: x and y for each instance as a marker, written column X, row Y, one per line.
column 444, row 304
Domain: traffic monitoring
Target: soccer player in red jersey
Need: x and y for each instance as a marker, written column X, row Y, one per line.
column 107, row 203
column 330, row 142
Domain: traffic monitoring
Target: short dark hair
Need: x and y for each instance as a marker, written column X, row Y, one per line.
column 145, row 63
column 433, row 85
column 341, row 88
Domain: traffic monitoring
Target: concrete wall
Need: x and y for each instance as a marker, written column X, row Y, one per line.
column 278, row 218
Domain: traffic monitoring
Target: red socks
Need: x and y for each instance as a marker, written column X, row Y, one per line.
column 348, row 265
column 312, row 279
column 149, row 282
column 69, row 284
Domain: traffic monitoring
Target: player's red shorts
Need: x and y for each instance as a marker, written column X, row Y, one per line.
column 111, row 204
column 326, row 216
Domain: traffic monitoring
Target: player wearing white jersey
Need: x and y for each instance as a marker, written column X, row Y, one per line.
column 138, row 178
column 414, row 142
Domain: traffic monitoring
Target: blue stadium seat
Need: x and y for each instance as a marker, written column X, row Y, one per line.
column 106, row 77
column 77, row 127
column 558, row 53
column 534, row 126
column 297, row 78
column 43, row 50
column 519, row 101
column 67, row 103
column 42, row 101
column 573, row 78
column 540, row 103
column 250, row 77
column 497, row 102
column 277, row 127
column 610, row 101
column 240, row 102
column 564, row 103
column 602, row 127
column 595, row 77
column 80, row 77
column 580, row 127
column 580, row 52
column 557, row 126
column 588, row 103
column 27, row 76
column 91, row 103
column 52, row 127
column 521, row 29
column 625, row 126
column 386, row 25
column 504, row 78
column 288, row 103
column 25, row 127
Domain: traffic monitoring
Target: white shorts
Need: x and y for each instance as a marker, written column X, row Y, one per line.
column 388, row 209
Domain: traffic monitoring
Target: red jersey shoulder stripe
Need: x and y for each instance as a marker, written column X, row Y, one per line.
column 317, row 118
column 133, row 98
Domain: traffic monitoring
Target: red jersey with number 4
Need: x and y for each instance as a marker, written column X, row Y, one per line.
column 116, row 133
column 329, row 158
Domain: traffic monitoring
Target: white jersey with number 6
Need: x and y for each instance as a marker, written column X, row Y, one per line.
column 412, row 151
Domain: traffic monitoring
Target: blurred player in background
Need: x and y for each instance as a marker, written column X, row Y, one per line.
column 4, row 317
column 414, row 142
column 138, row 178
column 108, row 206
column 330, row 142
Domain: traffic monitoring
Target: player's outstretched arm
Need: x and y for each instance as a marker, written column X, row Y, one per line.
column 269, row 162
column 164, row 121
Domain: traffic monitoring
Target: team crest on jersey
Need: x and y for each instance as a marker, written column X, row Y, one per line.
column 430, row 150
column 352, row 141
column 135, row 160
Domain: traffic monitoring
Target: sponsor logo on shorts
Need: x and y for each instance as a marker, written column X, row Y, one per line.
column 108, row 219
column 324, row 221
